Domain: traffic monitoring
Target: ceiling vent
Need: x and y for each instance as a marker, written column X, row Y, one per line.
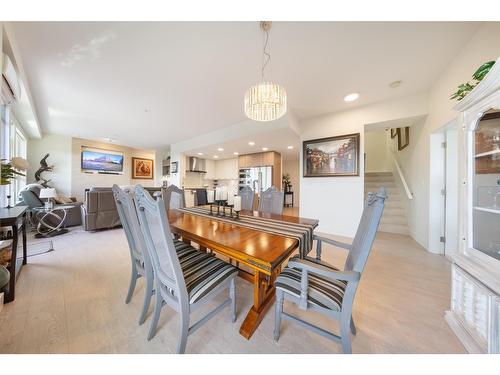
column 9, row 78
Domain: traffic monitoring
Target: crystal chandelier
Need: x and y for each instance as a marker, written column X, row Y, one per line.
column 265, row 101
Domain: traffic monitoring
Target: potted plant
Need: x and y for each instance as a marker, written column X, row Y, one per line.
column 477, row 77
column 10, row 170
column 287, row 184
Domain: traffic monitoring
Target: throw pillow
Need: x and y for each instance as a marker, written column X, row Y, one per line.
column 61, row 199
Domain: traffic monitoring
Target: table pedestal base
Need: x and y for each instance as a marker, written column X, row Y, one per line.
column 263, row 299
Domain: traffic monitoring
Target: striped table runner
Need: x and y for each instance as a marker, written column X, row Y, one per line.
column 302, row 232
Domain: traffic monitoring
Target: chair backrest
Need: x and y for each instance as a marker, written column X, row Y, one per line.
column 367, row 229
column 125, row 206
column 160, row 245
column 271, row 201
column 173, row 197
column 247, row 195
column 31, row 199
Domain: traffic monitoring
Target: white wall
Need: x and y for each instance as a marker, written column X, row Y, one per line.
column 67, row 176
column 292, row 167
column 483, row 46
column 80, row 180
column 59, row 148
column 377, row 151
column 338, row 201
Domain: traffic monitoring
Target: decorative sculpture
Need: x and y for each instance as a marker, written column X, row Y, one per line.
column 44, row 167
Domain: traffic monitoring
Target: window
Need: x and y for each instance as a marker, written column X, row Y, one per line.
column 13, row 143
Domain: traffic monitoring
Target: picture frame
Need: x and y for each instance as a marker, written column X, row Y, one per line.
column 174, row 167
column 403, row 138
column 332, row 156
column 142, row 168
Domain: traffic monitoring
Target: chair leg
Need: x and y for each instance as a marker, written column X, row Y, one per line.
column 156, row 315
column 184, row 321
column 232, row 295
column 277, row 315
column 147, row 299
column 131, row 288
column 353, row 327
column 345, row 334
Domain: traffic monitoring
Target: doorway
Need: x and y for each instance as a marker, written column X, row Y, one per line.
column 444, row 183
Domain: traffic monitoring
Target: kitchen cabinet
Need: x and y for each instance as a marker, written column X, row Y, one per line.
column 259, row 159
column 268, row 158
column 226, row 169
column 210, row 168
column 263, row 159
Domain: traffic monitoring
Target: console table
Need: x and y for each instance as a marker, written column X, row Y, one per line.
column 15, row 218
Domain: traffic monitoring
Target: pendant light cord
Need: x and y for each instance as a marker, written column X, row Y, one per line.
column 266, row 56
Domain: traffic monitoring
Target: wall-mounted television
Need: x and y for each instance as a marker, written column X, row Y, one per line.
column 94, row 159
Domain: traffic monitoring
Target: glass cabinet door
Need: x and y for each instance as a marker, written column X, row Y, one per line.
column 486, row 185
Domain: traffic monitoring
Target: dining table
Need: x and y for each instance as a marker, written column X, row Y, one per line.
column 257, row 243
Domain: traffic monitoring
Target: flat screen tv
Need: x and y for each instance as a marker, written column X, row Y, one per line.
column 101, row 160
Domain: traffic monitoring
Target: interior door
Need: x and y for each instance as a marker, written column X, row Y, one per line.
column 451, row 197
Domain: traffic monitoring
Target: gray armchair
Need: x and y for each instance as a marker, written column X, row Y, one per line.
column 315, row 285
column 73, row 214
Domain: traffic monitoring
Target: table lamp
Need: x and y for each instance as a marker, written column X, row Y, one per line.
column 49, row 194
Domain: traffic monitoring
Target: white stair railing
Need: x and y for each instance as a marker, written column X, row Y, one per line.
column 409, row 194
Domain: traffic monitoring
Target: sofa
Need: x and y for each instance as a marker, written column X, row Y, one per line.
column 30, row 197
column 99, row 208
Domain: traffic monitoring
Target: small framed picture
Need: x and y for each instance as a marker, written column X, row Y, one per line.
column 331, row 157
column 142, row 168
column 403, row 138
column 173, row 168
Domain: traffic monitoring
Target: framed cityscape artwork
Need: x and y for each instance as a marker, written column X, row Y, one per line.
column 331, row 157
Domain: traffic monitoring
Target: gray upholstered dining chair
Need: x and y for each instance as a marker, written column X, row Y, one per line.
column 141, row 263
column 185, row 278
column 315, row 285
column 247, row 195
column 173, row 197
column 271, row 201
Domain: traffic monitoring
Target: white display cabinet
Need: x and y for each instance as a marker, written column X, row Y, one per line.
column 474, row 313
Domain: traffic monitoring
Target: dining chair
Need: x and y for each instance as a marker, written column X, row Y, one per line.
column 173, row 197
column 186, row 279
column 141, row 263
column 247, row 195
column 315, row 285
column 271, row 201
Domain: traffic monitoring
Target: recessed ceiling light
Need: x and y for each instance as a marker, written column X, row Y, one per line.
column 215, row 156
column 236, row 153
column 395, row 84
column 289, row 147
column 200, row 153
column 220, row 149
column 351, row 97
column 251, row 143
column 264, row 149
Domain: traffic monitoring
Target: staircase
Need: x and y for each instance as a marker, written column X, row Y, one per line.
column 394, row 217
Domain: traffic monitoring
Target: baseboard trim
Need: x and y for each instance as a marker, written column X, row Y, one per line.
column 463, row 335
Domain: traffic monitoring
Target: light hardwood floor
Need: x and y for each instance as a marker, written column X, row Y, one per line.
column 71, row 300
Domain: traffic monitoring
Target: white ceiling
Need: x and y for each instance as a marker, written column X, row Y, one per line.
column 275, row 140
column 154, row 84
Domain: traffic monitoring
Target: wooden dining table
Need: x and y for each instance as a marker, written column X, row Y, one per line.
column 262, row 253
